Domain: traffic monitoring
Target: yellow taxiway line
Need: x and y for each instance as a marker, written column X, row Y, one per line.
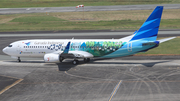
column 115, row 90
column 9, row 86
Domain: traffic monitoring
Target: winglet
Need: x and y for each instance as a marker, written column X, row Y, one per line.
column 67, row 48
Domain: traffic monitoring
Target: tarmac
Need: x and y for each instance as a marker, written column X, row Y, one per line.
column 86, row 8
column 134, row 78
column 100, row 80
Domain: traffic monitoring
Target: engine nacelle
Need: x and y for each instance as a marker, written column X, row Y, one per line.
column 54, row 58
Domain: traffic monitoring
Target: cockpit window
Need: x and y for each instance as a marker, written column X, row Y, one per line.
column 10, row 46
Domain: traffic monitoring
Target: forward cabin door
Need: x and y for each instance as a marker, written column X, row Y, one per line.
column 18, row 48
column 129, row 46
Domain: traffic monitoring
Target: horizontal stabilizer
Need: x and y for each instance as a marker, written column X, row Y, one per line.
column 163, row 40
column 150, row 43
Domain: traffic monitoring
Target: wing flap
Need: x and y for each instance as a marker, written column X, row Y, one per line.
column 76, row 54
column 81, row 54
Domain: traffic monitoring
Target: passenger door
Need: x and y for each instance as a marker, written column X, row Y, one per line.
column 129, row 46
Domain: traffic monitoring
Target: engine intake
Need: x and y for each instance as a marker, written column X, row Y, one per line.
column 51, row 57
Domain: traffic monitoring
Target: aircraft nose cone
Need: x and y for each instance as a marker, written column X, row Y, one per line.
column 5, row 50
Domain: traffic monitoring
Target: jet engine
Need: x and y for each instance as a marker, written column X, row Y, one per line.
column 51, row 57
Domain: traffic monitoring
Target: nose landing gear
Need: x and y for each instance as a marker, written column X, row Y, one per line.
column 18, row 60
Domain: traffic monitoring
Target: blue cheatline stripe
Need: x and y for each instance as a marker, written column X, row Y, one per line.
column 115, row 90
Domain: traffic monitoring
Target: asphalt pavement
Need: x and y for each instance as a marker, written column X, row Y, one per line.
column 137, row 78
column 86, row 8
column 101, row 80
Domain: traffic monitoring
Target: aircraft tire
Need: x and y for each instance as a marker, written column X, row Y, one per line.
column 61, row 59
column 75, row 62
column 86, row 60
column 18, row 60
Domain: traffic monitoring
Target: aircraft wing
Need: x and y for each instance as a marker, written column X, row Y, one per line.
column 60, row 56
column 74, row 54
column 163, row 40
column 81, row 54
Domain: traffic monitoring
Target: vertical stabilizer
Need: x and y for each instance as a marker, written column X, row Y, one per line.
column 149, row 29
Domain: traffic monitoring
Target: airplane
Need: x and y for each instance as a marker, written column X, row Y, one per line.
column 56, row 50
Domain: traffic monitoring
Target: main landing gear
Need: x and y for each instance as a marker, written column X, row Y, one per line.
column 75, row 61
column 61, row 59
column 18, row 60
column 86, row 60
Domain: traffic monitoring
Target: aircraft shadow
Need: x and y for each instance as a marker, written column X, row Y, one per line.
column 149, row 64
column 26, row 61
column 67, row 65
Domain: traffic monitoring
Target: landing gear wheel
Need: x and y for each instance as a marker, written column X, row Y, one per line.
column 86, row 60
column 75, row 62
column 61, row 59
column 18, row 60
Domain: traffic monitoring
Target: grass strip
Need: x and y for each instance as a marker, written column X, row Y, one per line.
column 43, row 23
column 99, row 20
column 62, row 3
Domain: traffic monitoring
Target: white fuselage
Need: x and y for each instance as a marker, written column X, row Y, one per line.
column 40, row 47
